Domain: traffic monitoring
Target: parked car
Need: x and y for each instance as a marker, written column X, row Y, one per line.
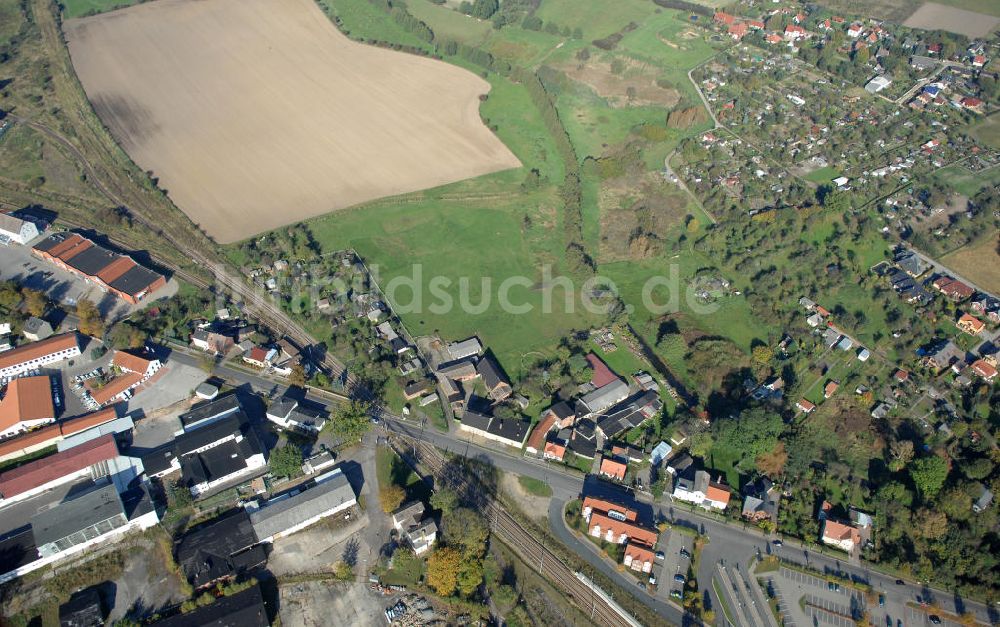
column 900, row 582
column 934, row 618
column 652, row 580
column 685, row 553
column 881, row 602
column 888, row 621
column 679, row 578
column 660, row 555
column 778, row 543
column 641, row 585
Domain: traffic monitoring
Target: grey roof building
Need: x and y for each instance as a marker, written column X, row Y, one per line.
column 77, row 521
column 83, row 609
column 465, row 348
column 284, row 516
column 243, row 609
column 984, row 501
column 223, row 547
column 603, row 397
column 206, row 413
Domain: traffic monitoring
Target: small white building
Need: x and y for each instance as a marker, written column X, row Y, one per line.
column 16, row 229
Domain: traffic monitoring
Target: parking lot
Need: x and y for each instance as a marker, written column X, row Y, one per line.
column 808, row 600
column 671, row 543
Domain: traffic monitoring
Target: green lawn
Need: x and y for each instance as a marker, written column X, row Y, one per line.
column 534, row 486
column 362, row 19
column 450, row 24
column 10, row 20
column 822, row 175
column 965, row 182
column 595, row 19
column 988, row 131
column 80, row 8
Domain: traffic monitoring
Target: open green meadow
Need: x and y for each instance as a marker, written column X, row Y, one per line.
column 80, row 8
column 988, row 131
column 822, row 175
column 966, row 182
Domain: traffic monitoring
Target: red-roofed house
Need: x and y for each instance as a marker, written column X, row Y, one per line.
column 953, row 288
column 774, row 39
column 755, row 24
column 536, row 441
column 639, row 557
column 978, row 61
column 256, row 356
column 724, row 18
column 620, row 531
column 602, row 375
column 46, row 436
column 794, row 33
column 970, row 324
column 717, row 495
column 984, row 369
column 612, row 468
column 38, row 354
column 840, row 535
column 26, row 404
column 972, row 104
column 117, row 389
column 591, row 505
column 805, row 406
column 830, row 389
column 854, row 30
column 738, row 31
column 554, row 451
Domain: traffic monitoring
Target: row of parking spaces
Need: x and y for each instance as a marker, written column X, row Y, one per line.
column 809, row 580
column 829, row 618
column 830, row 606
column 919, row 617
column 786, row 616
column 674, row 546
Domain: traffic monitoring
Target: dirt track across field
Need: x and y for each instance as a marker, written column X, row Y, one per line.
column 258, row 113
column 934, row 16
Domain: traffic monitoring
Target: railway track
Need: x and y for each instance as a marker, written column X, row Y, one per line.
column 590, row 601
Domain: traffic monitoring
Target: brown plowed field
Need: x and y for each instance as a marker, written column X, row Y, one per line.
column 258, row 113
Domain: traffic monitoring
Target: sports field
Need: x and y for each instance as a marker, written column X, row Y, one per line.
column 256, row 113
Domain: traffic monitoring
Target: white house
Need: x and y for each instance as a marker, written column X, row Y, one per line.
column 16, row 229
column 38, row 354
column 840, row 535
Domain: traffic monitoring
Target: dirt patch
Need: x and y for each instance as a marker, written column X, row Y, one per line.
column 979, row 263
column 315, row 603
column 634, row 210
column 942, row 213
column 934, row 16
column 527, row 502
column 253, row 114
column 623, row 82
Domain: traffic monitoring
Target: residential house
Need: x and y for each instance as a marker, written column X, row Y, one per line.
column 416, row 389
column 554, row 451
column 222, row 548
column 679, row 464
column 698, row 488
column 36, row 329
column 602, row 398
column 984, row 501
column 942, row 356
column 497, row 386
column 258, row 356
column 507, row 431
column 26, row 404
column 805, row 406
column 536, row 441
column 616, row 528
column 639, row 557
column 582, row 440
column 563, row 414
column 760, row 501
column 830, row 389
column 968, row 323
column 52, row 434
column 288, row 413
column 840, row 535
column 984, row 370
column 625, row 451
column 877, row 84
column 659, row 453
column 464, row 370
column 217, row 343
column 953, row 289
column 794, row 32
column 36, row 355
column 130, row 370
column 410, row 522
column 328, row 494
column 613, row 468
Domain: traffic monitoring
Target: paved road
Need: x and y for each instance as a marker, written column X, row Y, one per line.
column 728, row 543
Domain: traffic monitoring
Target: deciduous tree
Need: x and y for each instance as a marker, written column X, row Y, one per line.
column 391, row 497
column 442, row 570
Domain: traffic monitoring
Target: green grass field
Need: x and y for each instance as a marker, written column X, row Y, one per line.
column 535, row 487
column 822, row 175
column 80, row 8
column 988, row 131
column 595, row 19
column 965, row 182
column 363, row 19
column 450, row 24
